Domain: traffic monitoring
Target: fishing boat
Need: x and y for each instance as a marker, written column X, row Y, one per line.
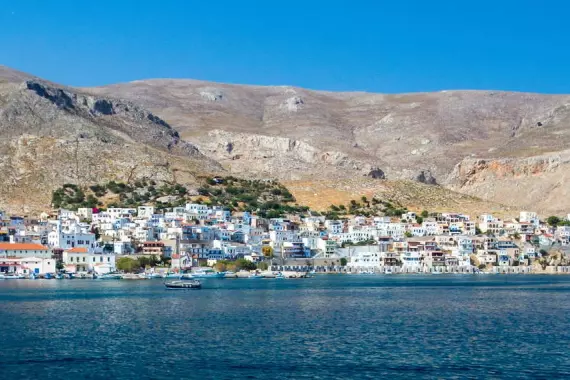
column 194, row 284
column 10, row 276
column 153, row 275
column 110, row 276
column 207, row 273
column 172, row 275
column 255, row 276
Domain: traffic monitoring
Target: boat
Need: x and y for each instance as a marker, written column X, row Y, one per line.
column 172, row 275
column 153, row 275
column 255, row 275
column 207, row 273
column 388, row 271
column 279, row 275
column 10, row 276
column 230, row 274
column 133, row 276
column 194, row 284
column 110, row 276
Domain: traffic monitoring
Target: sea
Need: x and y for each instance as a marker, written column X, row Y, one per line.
column 326, row 327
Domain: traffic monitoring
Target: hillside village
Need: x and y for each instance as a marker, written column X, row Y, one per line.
column 266, row 229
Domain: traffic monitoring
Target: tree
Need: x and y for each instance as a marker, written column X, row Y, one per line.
column 245, row 264
column 408, row 234
column 419, row 220
column 553, row 220
column 221, row 266
column 482, row 266
column 127, row 264
column 424, row 214
column 478, row 231
column 543, row 252
column 364, row 199
column 262, row 265
column 343, row 261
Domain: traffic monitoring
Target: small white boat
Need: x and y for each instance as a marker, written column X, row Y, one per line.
column 10, row 276
column 133, row 276
column 388, row 271
column 230, row 274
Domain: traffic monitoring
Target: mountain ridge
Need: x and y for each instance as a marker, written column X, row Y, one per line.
column 294, row 134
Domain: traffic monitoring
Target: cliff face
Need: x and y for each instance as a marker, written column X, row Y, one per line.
column 280, row 157
column 534, row 183
column 53, row 135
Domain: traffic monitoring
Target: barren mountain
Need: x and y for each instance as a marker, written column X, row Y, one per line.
column 297, row 134
column 51, row 135
column 508, row 148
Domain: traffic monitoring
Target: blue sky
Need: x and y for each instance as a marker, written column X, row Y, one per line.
column 378, row 46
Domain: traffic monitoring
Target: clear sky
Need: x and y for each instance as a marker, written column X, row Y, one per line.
column 379, row 46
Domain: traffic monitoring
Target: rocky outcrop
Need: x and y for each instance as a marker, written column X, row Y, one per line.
column 159, row 133
column 262, row 155
column 425, row 176
column 535, row 183
column 376, row 173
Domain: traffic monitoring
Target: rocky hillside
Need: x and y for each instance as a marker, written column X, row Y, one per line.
column 52, row 135
column 506, row 148
column 297, row 134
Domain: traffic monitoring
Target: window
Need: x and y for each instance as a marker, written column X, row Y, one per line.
column 71, row 259
column 83, row 259
column 93, row 259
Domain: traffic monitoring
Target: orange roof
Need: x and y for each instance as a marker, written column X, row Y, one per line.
column 22, row 247
column 77, row 250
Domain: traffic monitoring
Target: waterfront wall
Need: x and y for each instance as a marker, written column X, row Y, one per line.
column 426, row 270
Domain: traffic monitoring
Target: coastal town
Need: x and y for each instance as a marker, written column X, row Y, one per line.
column 151, row 242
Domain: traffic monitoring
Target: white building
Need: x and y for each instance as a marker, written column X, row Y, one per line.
column 24, row 250
column 81, row 260
column 145, row 212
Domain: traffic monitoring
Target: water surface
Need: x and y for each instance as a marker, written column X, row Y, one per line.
column 321, row 328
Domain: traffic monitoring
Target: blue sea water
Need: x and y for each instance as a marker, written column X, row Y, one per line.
column 327, row 327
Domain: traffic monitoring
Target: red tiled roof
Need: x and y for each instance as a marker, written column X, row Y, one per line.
column 77, row 250
column 22, row 247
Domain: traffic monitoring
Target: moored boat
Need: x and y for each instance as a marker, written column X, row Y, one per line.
column 207, row 273
column 133, row 276
column 194, row 284
column 110, row 276
column 10, row 276
column 230, row 274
